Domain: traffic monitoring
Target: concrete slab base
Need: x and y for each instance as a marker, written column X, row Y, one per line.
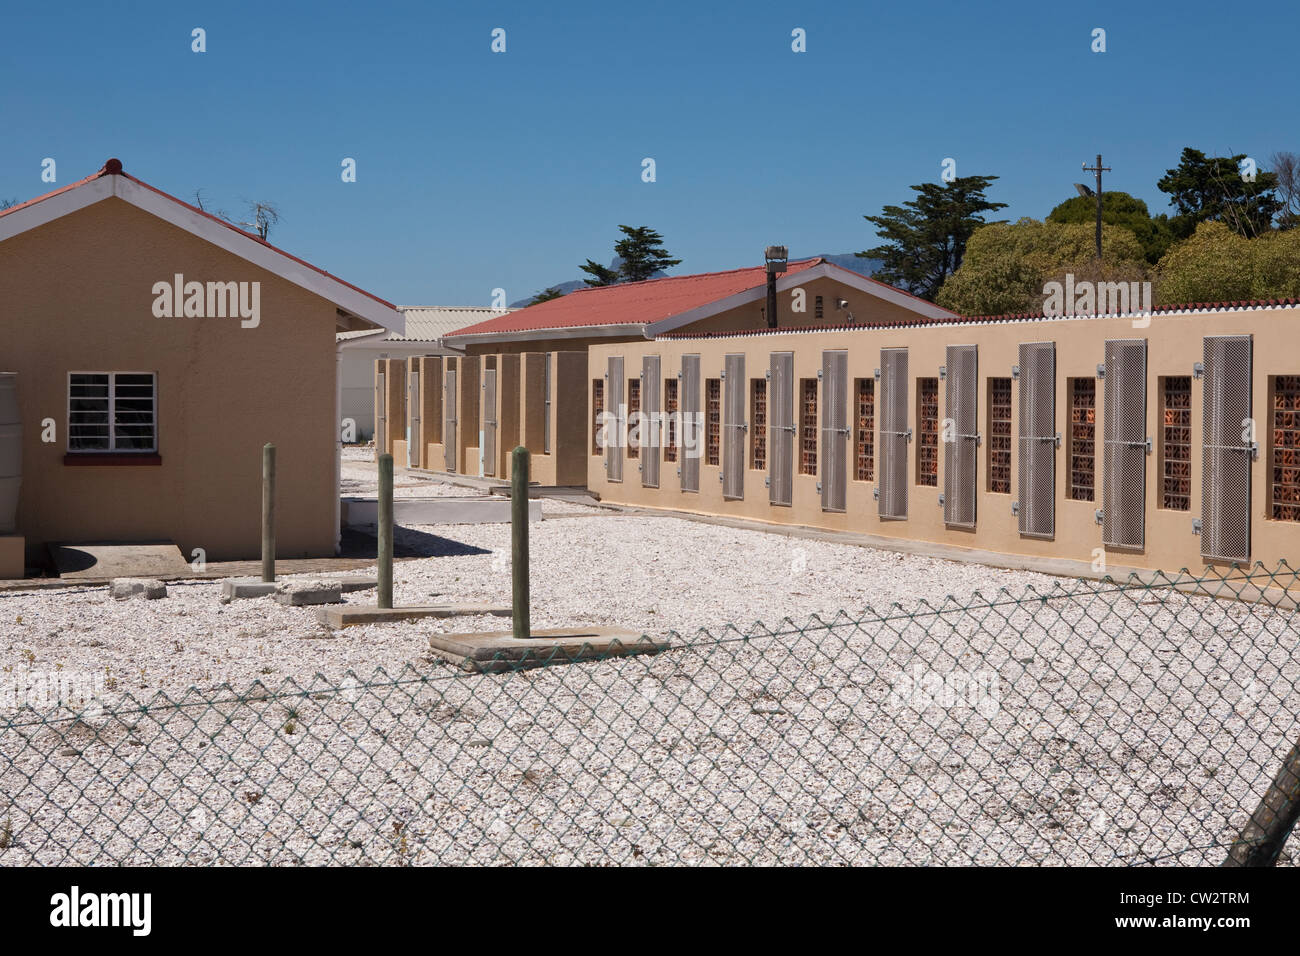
column 494, row 652
column 148, row 588
column 366, row 614
column 355, row 582
column 310, row 592
column 119, row 559
column 238, row 588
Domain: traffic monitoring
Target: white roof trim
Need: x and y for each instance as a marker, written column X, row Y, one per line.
column 826, row 270
column 533, row 335
column 210, row 230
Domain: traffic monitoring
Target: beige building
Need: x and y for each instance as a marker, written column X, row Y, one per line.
column 523, row 377
column 1154, row 441
column 157, row 348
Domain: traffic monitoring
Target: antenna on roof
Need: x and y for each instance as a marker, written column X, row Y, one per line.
column 776, row 259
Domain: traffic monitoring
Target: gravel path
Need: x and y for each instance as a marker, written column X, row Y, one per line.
column 1116, row 728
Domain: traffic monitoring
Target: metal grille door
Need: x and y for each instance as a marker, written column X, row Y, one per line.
column 489, row 449
column 835, row 429
column 615, row 400
column 960, row 435
column 1124, row 464
column 692, row 440
column 1038, row 439
column 1229, row 449
column 413, row 438
column 780, row 461
column 894, row 434
column 449, row 423
column 733, row 429
column 650, row 427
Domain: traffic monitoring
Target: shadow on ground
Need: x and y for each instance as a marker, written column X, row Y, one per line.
column 407, row 543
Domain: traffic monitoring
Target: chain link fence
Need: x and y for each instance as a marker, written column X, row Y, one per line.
column 1105, row 723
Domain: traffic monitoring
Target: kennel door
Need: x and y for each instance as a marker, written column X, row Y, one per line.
column 960, row 435
column 1230, row 447
column 1126, row 445
column 894, row 434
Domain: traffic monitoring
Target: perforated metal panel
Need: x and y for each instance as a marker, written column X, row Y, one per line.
column 1124, row 457
column 1037, row 481
column 650, row 429
column 546, row 403
column 692, row 439
column 835, row 430
column 894, row 434
column 449, row 422
column 615, row 404
column 780, row 459
column 734, row 428
column 489, row 448
column 1228, row 449
column 413, row 404
column 960, row 435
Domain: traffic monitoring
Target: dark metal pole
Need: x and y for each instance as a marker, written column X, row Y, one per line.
column 771, row 300
column 1099, row 205
column 268, row 513
column 519, row 540
column 385, row 531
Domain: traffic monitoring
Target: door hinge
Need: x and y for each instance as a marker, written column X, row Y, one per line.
column 1015, row 507
column 1015, row 371
column 1100, row 515
column 943, row 372
column 1196, row 526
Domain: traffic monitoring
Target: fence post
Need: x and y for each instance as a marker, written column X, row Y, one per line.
column 1264, row 835
column 385, row 531
column 268, row 513
column 519, row 541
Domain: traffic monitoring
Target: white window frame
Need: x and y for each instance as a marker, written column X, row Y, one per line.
column 112, row 448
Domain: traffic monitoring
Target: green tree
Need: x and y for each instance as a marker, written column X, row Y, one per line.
column 640, row 255
column 546, row 295
column 1120, row 209
column 1206, row 188
column 1218, row 265
column 925, row 238
column 1008, row 264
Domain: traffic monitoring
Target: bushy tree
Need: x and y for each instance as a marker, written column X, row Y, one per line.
column 1217, row 264
column 639, row 255
column 925, row 238
column 546, row 295
column 1204, row 188
column 1008, row 264
column 1120, row 209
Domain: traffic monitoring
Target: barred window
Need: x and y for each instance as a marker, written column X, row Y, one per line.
column 1000, row 436
column 807, row 426
column 670, row 419
column 597, row 409
column 865, row 408
column 112, row 411
column 1284, row 489
column 927, row 420
column 633, row 416
column 1176, row 442
column 713, row 418
column 758, row 424
column 818, row 310
column 1083, row 438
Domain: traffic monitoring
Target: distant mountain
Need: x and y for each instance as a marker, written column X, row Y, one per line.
column 845, row 260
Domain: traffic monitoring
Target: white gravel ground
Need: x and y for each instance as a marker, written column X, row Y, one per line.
column 1116, row 729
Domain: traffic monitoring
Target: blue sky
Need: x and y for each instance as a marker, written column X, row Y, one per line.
column 478, row 170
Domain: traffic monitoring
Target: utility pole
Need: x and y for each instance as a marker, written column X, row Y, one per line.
column 1098, row 169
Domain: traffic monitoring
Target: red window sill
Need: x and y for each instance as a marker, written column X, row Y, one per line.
column 91, row 458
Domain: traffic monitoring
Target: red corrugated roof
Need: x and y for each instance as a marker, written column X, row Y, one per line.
column 113, row 167
column 631, row 303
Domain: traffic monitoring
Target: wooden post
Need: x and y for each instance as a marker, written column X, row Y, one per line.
column 519, row 540
column 268, row 513
column 385, row 531
column 1265, row 833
